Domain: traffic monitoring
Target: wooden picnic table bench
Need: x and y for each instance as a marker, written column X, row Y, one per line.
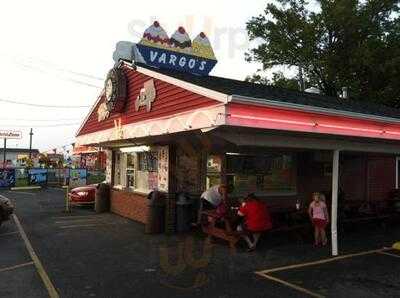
column 227, row 233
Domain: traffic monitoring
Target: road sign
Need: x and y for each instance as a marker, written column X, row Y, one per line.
column 10, row 134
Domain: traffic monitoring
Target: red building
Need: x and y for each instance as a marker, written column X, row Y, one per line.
column 176, row 131
column 87, row 157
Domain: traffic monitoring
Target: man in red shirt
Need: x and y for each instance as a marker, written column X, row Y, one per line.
column 256, row 220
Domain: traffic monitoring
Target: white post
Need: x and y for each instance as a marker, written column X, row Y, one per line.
column 397, row 172
column 335, row 187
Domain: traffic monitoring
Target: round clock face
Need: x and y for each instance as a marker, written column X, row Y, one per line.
column 109, row 89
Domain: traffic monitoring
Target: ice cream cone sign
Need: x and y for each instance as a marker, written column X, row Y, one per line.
column 178, row 52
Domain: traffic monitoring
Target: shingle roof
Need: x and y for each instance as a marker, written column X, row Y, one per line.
column 247, row 89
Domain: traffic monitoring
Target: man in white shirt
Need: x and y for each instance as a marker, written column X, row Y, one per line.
column 211, row 198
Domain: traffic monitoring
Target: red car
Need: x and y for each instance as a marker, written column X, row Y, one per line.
column 83, row 195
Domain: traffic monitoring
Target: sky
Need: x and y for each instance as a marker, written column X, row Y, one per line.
column 57, row 53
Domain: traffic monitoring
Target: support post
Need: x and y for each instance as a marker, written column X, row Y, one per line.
column 334, row 207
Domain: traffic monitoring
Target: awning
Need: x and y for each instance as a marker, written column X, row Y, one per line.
column 304, row 141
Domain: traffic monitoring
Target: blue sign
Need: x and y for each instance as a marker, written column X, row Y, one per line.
column 7, row 177
column 37, row 176
column 162, row 58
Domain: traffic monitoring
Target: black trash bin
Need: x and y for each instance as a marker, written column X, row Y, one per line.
column 156, row 213
column 102, row 198
column 183, row 213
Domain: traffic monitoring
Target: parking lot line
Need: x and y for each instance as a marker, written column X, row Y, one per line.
column 86, row 225
column 389, row 254
column 10, row 233
column 74, row 216
column 38, row 264
column 323, row 261
column 290, row 285
column 87, row 220
column 16, row 266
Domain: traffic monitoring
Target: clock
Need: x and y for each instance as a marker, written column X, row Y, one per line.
column 115, row 90
column 108, row 89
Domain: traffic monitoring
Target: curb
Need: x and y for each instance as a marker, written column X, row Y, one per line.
column 25, row 187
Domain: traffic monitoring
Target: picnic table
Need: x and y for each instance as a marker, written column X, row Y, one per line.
column 226, row 231
column 224, row 228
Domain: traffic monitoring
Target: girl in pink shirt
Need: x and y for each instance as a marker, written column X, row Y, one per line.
column 319, row 217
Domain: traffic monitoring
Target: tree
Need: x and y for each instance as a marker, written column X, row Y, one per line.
column 338, row 43
column 278, row 80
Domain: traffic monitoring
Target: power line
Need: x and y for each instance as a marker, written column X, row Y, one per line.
column 48, row 126
column 60, row 76
column 41, row 105
column 40, row 120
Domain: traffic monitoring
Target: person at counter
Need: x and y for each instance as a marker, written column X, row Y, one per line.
column 211, row 199
column 256, row 220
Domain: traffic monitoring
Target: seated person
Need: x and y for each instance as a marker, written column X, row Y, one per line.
column 256, row 220
column 211, row 199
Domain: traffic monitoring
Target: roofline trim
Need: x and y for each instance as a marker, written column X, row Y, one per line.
column 90, row 113
column 218, row 96
column 294, row 106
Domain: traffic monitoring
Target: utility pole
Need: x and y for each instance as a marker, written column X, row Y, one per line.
column 4, row 152
column 301, row 79
column 30, row 144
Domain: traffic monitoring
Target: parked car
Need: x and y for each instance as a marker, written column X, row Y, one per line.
column 83, row 194
column 6, row 209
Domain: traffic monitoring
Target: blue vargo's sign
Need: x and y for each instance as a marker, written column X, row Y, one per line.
column 178, row 52
column 174, row 60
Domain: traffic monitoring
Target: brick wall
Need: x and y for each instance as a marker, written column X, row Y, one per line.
column 130, row 205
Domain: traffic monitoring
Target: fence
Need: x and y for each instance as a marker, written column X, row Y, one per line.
column 17, row 177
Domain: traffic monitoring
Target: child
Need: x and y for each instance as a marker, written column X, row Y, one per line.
column 319, row 217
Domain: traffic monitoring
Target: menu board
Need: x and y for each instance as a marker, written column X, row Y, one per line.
column 153, row 180
column 163, row 161
column 108, row 165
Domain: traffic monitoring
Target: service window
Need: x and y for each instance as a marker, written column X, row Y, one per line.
column 130, row 170
column 214, row 168
column 117, row 169
column 270, row 174
column 146, row 174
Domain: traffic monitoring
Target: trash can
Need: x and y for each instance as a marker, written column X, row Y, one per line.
column 183, row 213
column 156, row 213
column 102, row 198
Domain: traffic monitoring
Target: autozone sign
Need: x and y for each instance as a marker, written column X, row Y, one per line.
column 10, row 134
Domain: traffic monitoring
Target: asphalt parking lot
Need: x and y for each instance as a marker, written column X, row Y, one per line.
column 85, row 254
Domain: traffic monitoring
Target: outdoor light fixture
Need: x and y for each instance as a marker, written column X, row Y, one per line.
column 232, row 153
column 135, row 149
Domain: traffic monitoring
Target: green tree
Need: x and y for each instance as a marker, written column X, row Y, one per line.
column 278, row 80
column 337, row 43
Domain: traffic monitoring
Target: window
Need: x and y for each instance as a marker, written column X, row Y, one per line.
column 137, row 171
column 214, row 167
column 270, row 174
column 130, row 170
column 117, row 169
column 146, row 174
